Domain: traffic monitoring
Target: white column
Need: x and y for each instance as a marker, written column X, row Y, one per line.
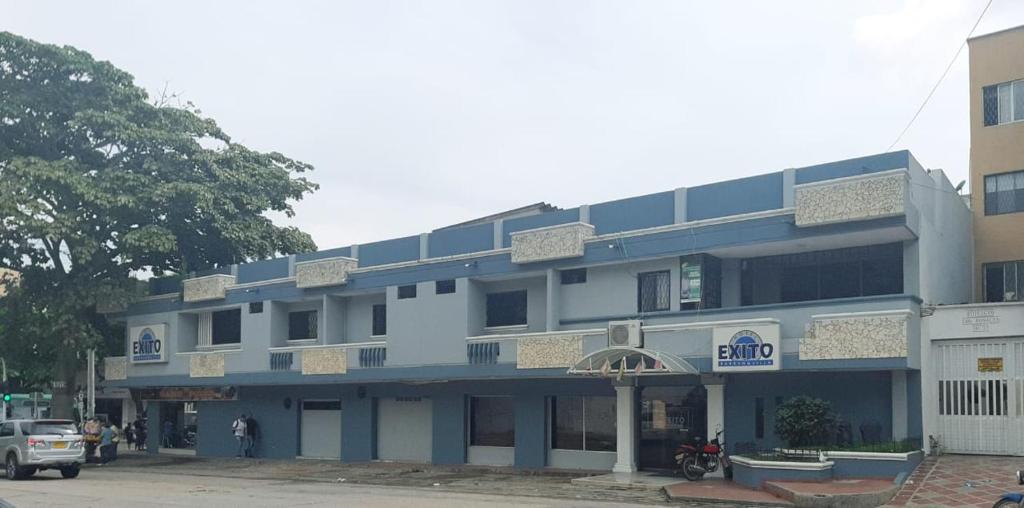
column 716, row 409
column 899, row 405
column 554, row 287
column 625, row 424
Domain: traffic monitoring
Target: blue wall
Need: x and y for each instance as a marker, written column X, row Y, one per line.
column 263, row 270
column 323, row 254
column 745, row 195
column 537, row 221
column 633, row 213
column 857, row 397
column 390, row 251
column 853, row 167
column 449, row 428
column 449, row 242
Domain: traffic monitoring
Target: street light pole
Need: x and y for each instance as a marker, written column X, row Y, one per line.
column 3, row 403
column 92, row 383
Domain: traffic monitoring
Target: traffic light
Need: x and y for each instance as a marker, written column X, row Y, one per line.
column 7, row 397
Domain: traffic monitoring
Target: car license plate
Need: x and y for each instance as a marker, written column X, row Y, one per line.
column 59, row 444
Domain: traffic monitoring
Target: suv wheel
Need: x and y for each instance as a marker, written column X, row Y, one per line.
column 70, row 471
column 13, row 471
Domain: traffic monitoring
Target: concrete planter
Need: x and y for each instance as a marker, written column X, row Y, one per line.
column 873, row 465
column 754, row 473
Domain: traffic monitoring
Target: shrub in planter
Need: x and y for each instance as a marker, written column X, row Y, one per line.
column 805, row 421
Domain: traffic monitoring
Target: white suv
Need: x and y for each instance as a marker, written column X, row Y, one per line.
column 36, row 445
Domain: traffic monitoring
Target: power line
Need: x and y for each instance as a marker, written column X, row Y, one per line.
column 942, row 77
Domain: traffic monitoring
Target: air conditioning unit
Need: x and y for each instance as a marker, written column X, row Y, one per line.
column 625, row 334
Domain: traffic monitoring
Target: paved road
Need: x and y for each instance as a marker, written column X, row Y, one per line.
column 110, row 488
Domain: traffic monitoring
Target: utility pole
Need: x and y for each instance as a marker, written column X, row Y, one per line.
column 92, row 384
column 3, row 402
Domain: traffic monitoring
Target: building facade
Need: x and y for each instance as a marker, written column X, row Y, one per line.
column 997, row 163
column 597, row 337
column 973, row 355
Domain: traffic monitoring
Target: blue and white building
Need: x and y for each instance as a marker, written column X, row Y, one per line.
column 595, row 337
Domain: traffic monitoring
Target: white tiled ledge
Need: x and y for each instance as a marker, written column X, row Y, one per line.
column 852, row 178
column 346, row 345
column 708, row 324
column 206, row 351
column 517, row 336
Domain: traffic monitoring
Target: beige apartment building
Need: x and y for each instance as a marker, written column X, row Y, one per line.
column 997, row 164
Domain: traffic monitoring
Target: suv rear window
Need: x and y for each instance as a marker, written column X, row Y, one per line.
column 48, row 428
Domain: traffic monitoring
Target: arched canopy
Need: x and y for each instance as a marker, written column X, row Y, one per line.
column 630, row 361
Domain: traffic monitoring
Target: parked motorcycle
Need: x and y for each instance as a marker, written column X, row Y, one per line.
column 701, row 458
column 1014, row 500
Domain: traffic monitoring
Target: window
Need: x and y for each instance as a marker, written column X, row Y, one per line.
column 407, row 291
column 255, row 307
column 444, row 287
column 1004, row 193
column 226, row 327
column 321, row 405
column 506, row 309
column 1004, row 281
column 653, row 293
column 758, row 418
column 7, row 429
column 574, row 276
column 700, row 282
column 1003, row 103
column 302, row 325
column 491, row 421
column 583, row 423
column 822, row 275
column 380, row 320
column 49, row 427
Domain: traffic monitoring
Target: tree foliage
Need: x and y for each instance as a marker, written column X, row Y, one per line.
column 805, row 421
column 99, row 182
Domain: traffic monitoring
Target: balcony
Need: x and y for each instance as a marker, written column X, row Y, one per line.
column 329, row 359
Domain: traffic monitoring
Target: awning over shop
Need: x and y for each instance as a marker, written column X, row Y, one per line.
column 629, row 361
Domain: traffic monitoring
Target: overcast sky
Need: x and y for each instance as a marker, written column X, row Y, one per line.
column 422, row 114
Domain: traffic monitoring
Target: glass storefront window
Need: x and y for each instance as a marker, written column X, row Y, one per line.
column 583, row 423
column 491, row 421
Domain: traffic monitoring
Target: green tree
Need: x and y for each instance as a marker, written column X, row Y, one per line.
column 805, row 421
column 99, row 183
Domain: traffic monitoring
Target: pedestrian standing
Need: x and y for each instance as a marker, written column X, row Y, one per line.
column 129, row 434
column 168, row 437
column 252, row 433
column 140, row 435
column 106, row 441
column 238, row 428
column 115, row 441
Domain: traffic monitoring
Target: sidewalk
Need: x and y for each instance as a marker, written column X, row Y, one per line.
column 467, row 479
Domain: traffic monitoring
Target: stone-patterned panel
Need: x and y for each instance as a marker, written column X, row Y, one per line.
column 553, row 351
column 554, row 242
column 859, row 199
column 115, row 368
column 881, row 336
column 324, row 272
column 206, row 365
column 324, row 361
column 212, row 287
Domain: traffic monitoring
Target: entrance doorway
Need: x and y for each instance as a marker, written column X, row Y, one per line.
column 669, row 416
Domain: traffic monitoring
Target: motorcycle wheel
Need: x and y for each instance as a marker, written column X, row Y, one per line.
column 1005, row 503
column 690, row 470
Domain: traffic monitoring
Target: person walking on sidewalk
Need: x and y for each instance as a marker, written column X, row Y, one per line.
column 238, row 428
column 168, row 436
column 106, row 442
column 252, row 434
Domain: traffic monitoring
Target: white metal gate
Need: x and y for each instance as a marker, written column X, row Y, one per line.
column 981, row 396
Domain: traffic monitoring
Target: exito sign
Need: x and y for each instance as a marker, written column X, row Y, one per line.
column 746, row 348
column 148, row 344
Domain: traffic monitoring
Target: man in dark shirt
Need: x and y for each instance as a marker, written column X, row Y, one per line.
column 252, row 434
